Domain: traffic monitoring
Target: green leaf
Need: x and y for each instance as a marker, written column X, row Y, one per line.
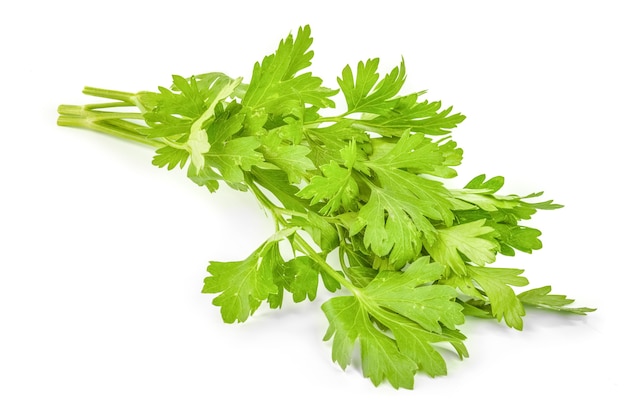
column 205, row 177
column 277, row 182
column 492, row 185
column 388, row 300
column 416, row 153
column 188, row 102
column 486, row 201
column 205, row 80
column 241, row 285
column 170, row 157
column 273, row 259
column 541, row 298
column 406, row 112
column 275, row 86
column 292, row 158
column 363, row 93
column 235, row 156
column 198, row 141
column 419, row 345
column 465, row 285
column 321, row 231
column 328, row 142
column 504, row 303
column 304, row 273
column 394, row 224
column 423, row 271
column 411, row 151
column 417, row 200
column 336, row 187
column 429, row 306
column 412, row 309
column 399, row 166
column 477, row 309
column 179, row 116
column 380, row 357
column 455, row 244
column 225, row 125
column 161, row 124
column 522, row 238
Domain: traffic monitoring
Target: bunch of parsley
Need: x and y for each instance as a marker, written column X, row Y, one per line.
column 358, row 197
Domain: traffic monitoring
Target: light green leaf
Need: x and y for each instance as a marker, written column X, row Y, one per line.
column 431, row 195
column 398, row 355
column 393, row 224
column 541, row 298
column 336, row 187
column 234, row 156
column 275, row 86
column 198, row 142
column 304, row 275
column 323, row 233
column 495, row 282
column 428, row 306
column 292, row 158
column 411, row 151
column 170, row 157
column 455, row 243
column 380, row 357
column 241, row 285
column 417, row 343
column 363, row 93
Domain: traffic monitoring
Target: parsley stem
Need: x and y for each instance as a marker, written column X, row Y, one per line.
column 88, row 112
column 113, row 127
column 299, row 241
column 306, row 248
column 110, row 94
column 322, row 120
column 107, row 105
column 123, row 124
column 290, row 212
column 283, row 211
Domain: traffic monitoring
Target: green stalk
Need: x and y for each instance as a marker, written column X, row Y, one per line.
column 306, row 248
column 108, row 127
column 107, row 105
column 88, row 112
column 115, row 123
column 299, row 241
column 110, row 94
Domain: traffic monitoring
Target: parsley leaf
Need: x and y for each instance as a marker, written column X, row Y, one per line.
column 364, row 93
column 242, row 285
column 495, row 282
column 456, row 245
column 275, row 85
column 416, row 316
column 335, row 186
column 541, row 298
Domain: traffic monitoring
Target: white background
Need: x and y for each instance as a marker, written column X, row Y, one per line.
column 102, row 255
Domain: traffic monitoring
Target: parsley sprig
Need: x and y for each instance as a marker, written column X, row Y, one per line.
column 363, row 188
